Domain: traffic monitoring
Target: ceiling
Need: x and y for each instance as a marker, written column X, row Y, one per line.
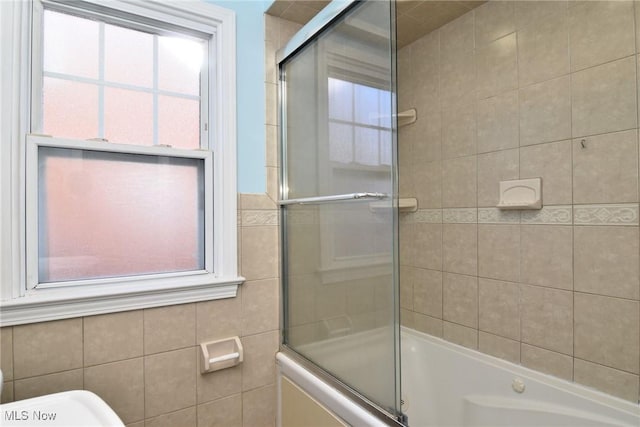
column 415, row 18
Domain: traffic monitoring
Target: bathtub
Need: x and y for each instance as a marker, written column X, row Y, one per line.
column 444, row 384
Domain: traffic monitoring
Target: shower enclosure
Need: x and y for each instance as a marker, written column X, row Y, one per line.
column 505, row 92
column 339, row 228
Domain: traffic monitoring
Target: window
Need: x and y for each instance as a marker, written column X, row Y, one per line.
column 120, row 152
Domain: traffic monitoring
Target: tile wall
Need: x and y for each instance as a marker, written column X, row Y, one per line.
column 517, row 90
column 145, row 363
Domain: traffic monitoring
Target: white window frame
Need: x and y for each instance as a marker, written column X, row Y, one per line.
column 20, row 301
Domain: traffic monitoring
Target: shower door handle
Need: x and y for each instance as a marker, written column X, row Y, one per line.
column 334, row 198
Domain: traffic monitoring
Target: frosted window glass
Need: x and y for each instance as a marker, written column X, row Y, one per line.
column 341, row 142
column 70, row 109
column 128, row 116
column 128, row 56
column 340, row 100
column 113, row 214
column 366, row 146
column 386, row 149
column 179, row 65
column 179, row 122
column 70, row 45
column 367, row 108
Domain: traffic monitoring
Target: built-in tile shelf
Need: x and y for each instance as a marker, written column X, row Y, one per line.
column 408, row 204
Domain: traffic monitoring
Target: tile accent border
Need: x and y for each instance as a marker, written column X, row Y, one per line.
column 619, row 214
column 460, row 216
column 498, row 216
column 428, row 216
column 259, row 217
column 548, row 215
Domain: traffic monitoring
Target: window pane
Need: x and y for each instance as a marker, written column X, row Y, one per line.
column 113, row 214
column 128, row 116
column 340, row 100
column 179, row 64
column 70, row 109
column 70, row 45
column 341, row 142
column 179, row 122
column 367, row 146
column 367, row 108
column 128, row 56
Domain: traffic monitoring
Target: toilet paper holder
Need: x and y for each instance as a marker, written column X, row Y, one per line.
column 220, row 354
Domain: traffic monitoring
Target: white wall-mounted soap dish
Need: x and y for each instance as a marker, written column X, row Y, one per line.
column 220, row 354
column 521, row 194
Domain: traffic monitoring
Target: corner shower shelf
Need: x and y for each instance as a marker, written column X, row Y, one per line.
column 408, row 204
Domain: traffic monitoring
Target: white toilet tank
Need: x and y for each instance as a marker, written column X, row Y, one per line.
column 78, row 408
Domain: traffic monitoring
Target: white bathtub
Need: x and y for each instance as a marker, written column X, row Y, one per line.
column 447, row 385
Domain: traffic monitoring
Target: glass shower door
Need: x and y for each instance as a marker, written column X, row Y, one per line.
column 338, row 182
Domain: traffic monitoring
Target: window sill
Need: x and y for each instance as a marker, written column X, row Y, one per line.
column 54, row 304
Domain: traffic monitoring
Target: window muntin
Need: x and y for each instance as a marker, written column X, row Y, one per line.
column 105, row 81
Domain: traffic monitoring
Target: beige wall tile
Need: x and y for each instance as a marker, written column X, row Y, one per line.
column 543, row 49
column 459, row 131
column 259, row 360
column 536, row 12
column 270, row 74
column 494, row 19
column 407, row 318
column 183, row 418
column 460, row 299
column 547, row 255
column 457, row 79
column 425, row 60
column 6, row 353
column 603, row 98
column 225, row 412
column 259, row 407
column 170, row 381
column 497, row 127
column 218, row 384
column 459, row 183
column 552, row 163
column 407, row 280
column 497, row 67
column 272, row 152
column 426, row 137
column 257, row 201
column 460, row 248
column 428, row 246
column 169, row 328
column 260, row 306
column 428, row 325
column 218, row 319
column 607, row 331
column 600, row 32
column 499, row 252
column 458, row 35
column 427, row 185
column 606, row 170
column 48, row 384
column 112, row 337
column 606, row 261
column 406, row 93
column 7, row 392
column 612, row 381
column 500, row 347
column 546, row 361
column 62, row 338
column 260, row 252
column 499, row 311
column 271, row 28
column 461, row 335
column 271, row 100
column 121, row 385
column 493, row 168
column 545, row 111
column 273, row 189
column 546, row 317
column 427, row 292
